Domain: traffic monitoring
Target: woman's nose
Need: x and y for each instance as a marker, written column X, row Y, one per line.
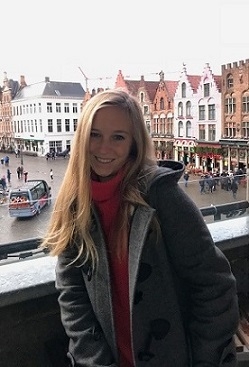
column 104, row 145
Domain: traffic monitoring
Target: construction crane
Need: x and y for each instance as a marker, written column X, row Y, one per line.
column 87, row 79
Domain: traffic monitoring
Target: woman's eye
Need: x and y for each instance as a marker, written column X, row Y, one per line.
column 94, row 134
column 118, row 137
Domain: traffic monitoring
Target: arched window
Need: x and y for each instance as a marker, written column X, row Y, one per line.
column 183, row 90
column 229, row 81
column 180, row 109
column 161, row 103
column 180, row 129
column 141, row 97
column 188, row 129
column 188, row 109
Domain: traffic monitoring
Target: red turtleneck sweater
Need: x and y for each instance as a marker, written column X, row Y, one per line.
column 106, row 197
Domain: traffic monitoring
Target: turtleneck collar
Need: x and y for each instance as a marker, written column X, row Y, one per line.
column 102, row 191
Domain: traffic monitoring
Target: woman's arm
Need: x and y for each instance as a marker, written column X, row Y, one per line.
column 87, row 346
column 212, row 315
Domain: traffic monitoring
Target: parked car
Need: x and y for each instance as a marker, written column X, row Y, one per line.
column 29, row 199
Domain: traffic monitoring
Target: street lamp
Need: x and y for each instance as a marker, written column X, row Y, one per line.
column 21, row 153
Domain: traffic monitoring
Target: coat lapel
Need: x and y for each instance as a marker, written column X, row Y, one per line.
column 139, row 229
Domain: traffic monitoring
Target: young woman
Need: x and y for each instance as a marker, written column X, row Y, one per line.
column 140, row 284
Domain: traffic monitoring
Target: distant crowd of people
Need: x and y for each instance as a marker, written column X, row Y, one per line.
column 227, row 180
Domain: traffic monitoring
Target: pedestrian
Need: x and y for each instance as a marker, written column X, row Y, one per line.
column 202, row 184
column 234, row 187
column 18, row 171
column 136, row 277
column 25, row 173
column 8, row 175
column 4, row 183
column 186, row 177
column 51, row 174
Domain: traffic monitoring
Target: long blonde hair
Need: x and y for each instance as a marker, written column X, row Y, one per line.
column 71, row 218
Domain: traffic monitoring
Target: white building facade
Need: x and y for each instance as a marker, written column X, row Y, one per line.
column 185, row 112
column 45, row 116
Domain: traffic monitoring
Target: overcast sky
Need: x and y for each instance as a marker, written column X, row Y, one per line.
column 54, row 38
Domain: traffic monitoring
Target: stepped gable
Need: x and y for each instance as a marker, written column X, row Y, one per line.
column 171, row 86
column 194, row 81
column 133, row 86
column 217, row 79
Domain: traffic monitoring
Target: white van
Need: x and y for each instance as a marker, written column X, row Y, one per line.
column 29, row 199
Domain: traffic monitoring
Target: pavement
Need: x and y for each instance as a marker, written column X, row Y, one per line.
column 39, row 167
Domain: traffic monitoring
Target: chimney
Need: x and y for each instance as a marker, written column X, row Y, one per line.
column 22, row 81
column 47, row 80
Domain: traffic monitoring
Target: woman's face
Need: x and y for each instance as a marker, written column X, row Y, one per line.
column 110, row 142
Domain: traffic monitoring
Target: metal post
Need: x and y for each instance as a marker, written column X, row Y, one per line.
column 21, row 154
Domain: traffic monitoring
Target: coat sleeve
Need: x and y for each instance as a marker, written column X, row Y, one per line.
column 87, row 344
column 211, row 308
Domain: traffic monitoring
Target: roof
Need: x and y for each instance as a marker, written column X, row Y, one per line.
column 49, row 88
column 194, row 81
column 217, row 79
column 133, row 86
column 171, row 86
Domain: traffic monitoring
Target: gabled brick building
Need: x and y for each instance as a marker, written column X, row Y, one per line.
column 156, row 99
column 8, row 92
column 235, row 115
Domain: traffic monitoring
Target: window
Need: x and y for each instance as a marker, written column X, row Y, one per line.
column 141, row 97
column 41, row 127
column 180, row 129
column 155, row 125
column 75, row 108
column 148, row 125
column 188, row 109
column 67, row 125
column 59, row 125
column 230, row 105
column 188, row 129
column 161, row 104
column 245, row 104
column 39, row 107
column 162, row 125
column 49, row 107
column 146, row 110
column 211, row 112
column 229, row 81
column 66, row 107
column 202, row 134
column 230, row 130
column 211, row 132
column 180, row 109
column 245, row 129
column 75, row 123
column 50, row 125
column 58, row 107
column 206, row 89
column 183, row 90
column 201, row 112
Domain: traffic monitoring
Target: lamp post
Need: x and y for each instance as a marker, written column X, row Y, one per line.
column 21, row 153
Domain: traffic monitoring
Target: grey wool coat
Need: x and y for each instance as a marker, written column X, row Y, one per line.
column 183, row 301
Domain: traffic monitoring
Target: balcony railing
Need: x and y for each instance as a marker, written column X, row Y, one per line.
column 31, row 330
